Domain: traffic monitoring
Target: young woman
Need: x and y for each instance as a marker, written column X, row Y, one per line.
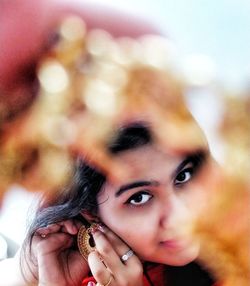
column 145, row 223
column 153, row 212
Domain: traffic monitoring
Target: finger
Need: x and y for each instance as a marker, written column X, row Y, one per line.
column 78, row 224
column 107, row 252
column 54, row 242
column 44, row 231
column 120, row 247
column 50, row 259
column 68, row 226
column 98, row 269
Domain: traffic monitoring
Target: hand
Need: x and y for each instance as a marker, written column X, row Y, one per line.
column 106, row 264
column 56, row 261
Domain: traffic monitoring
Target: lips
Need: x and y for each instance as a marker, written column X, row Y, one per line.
column 175, row 244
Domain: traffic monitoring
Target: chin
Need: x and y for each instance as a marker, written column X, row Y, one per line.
column 186, row 257
column 183, row 257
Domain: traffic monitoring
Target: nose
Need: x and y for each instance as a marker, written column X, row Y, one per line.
column 174, row 213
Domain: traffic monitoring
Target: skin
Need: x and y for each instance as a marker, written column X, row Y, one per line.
column 165, row 214
column 173, row 197
column 59, row 264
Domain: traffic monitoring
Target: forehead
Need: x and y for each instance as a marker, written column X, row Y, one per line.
column 147, row 162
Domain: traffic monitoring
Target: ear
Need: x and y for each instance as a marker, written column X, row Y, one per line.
column 90, row 218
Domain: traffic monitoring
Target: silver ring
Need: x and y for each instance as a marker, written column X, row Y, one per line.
column 127, row 255
column 43, row 235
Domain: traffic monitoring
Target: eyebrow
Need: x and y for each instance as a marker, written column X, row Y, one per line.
column 197, row 157
column 134, row 185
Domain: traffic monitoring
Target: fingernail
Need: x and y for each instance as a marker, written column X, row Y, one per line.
column 91, row 283
column 101, row 228
column 94, row 228
column 97, row 227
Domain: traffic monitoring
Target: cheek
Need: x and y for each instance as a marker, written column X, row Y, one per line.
column 128, row 226
column 195, row 198
column 208, row 193
column 200, row 192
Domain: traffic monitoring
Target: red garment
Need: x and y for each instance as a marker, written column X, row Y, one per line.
column 155, row 274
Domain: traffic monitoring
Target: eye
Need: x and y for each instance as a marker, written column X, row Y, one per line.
column 139, row 198
column 183, row 176
column 190, row 167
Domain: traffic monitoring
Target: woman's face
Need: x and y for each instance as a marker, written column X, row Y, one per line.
column 154, row 211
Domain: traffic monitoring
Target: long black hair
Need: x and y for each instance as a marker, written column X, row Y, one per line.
column 82, row 193
column 87, row 181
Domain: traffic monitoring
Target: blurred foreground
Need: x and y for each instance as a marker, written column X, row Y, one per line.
column 88, row 78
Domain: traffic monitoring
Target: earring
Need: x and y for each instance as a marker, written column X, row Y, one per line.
column 85, row 240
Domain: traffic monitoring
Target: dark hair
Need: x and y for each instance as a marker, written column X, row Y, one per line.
column 87, row 182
